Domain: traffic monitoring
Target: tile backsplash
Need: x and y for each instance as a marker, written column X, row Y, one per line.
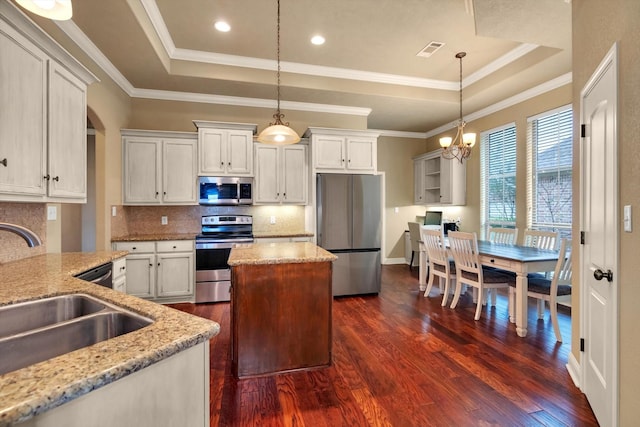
column 141, row 220
column 29, row 215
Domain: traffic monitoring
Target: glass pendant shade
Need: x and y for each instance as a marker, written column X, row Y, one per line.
column 469, row 139
column 59, row 10
column 278, row 135
column 445, row 142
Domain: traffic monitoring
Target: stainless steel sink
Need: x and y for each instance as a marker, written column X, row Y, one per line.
column 16, row 318
column 89, row 322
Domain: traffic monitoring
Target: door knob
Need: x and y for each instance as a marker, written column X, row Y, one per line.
column 599, row 274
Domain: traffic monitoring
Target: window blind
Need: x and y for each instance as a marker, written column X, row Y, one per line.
column 498, row 177
column 549, row 171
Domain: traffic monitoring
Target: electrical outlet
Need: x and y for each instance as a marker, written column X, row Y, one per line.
column 113, row 211
column 272, row 220
column 164, row 220
column 52, row 213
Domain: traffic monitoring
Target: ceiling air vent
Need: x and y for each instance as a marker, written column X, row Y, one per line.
column 430, row 49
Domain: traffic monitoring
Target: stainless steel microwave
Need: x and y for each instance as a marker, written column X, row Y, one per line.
column 225, row 191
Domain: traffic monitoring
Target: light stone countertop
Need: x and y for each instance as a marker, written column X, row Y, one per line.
column 278, row 253
column 153, row 237
column 37, row 388
column 271, row 234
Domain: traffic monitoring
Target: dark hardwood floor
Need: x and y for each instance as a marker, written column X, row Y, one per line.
column 400, row 359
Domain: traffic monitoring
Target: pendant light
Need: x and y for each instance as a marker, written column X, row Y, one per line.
column 278, row 133
column 460, row 146
column 59, row 10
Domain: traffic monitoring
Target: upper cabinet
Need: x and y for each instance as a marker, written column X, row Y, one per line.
column 225, row 149
column 43, row 120
column 281, row 174
column 438, row 181
column 159, row 167
column 343, row 150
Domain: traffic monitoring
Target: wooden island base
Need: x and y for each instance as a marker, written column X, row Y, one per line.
column 280, row 315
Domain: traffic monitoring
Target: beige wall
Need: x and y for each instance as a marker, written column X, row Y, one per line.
column 596, row 26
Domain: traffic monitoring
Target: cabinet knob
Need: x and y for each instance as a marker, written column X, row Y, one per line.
column 158, row 264
column 123, row 268
column 46, row 177
column 150, row 265
column 229, row 163
column 56, row 178
column 134, row 248
column 221, row 163
column 4, row 161
column 349, row 160
column 164, row 192
column 157, row 194
column 284, row 195
column 175, row 247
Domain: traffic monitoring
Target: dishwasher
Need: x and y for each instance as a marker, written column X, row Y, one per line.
column 100, row 275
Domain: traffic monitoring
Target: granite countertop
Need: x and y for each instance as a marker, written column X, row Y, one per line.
column 272, row 234
column 278, row 253
column 153, row 237
column 37, row 388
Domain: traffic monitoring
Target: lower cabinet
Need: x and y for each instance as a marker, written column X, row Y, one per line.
column 119, row 274
column 161, row 270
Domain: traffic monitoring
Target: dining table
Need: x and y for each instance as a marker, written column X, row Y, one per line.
column 517, row 259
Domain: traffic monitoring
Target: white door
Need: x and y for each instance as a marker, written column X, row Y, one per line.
column 599, row 221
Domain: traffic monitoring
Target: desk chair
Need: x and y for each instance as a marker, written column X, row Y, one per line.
column 414, row 236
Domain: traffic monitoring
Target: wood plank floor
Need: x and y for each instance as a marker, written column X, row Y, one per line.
column 400, row 359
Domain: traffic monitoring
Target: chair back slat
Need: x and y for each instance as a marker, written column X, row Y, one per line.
column 563, row 269
column 504, row 236
column 541, row 239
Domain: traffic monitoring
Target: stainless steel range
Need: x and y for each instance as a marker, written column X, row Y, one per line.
column 220, row 233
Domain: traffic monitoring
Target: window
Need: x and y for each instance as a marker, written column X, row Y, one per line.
column 498, row 177
column 549, row 170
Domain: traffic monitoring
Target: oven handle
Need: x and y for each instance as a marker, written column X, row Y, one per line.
column 221, row 245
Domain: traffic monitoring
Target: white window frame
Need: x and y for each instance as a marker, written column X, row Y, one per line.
column 564, row 228
column 484, row 153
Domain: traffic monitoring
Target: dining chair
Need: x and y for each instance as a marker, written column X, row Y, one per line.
column 504, row 236
column 555, row 289
column 440, row 263
column 470, row 272
column 540, row 239
column 414, row 237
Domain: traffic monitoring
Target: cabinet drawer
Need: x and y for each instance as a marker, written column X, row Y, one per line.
column 175, row 246
column 119, row 267
column 498, row 263
column 136, row 247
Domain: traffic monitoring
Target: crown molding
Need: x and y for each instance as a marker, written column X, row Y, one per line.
column 151, row 8
column 560, row 81
column 400, row 134
column 503, row 61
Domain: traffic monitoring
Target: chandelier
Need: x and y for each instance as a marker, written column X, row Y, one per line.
column 59, row 10
column 460, row 146
column 278, row 133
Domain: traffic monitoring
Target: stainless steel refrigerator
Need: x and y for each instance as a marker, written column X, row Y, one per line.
column 349, row 225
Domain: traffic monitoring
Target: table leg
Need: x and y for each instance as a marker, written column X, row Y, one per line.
column 422, row 271
column 521, row 304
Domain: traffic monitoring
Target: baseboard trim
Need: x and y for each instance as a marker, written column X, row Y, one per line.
column 389, row 261
column 573, row 366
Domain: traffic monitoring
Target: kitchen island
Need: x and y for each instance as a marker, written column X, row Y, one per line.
column 281, row 300
column 155, row 376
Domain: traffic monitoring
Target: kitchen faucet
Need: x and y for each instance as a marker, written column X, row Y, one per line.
column 29, row 236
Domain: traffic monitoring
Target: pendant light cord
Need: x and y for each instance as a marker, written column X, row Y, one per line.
column 278, row 58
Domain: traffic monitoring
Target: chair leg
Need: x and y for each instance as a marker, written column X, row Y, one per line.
column 494, row 295
column 411, row 262
column 445, row 295
column 456, row 296
column 481, row 302
column 430, row 280
column 553, row 311
column 541, row 309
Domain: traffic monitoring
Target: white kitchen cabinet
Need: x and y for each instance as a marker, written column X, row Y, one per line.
column 439, row 181
column 162, row 271
column 119, row 274
column 343, row 150
column 159, row 168
column 281, row 174
column 43, row 123
column 225, row 149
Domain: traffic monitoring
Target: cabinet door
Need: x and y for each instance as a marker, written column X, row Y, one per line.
column 267, row 182
column 141, row 170
column 23, row 133
column 329, row 152
column 67, row 135
column 418, row 182
column 294, row 174
column 362, row 154
column 240, row 153
column 179, row 171
column 212, row 151
column 141, row 279
column 175, row 274
column 445, row 180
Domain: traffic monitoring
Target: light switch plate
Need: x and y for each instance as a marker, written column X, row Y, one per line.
column 52, row 213
column 272, row 220
column 627, row 218
column 164, row 220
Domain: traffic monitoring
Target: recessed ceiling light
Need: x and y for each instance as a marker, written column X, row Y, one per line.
column 222, row 26
column 317, row 40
